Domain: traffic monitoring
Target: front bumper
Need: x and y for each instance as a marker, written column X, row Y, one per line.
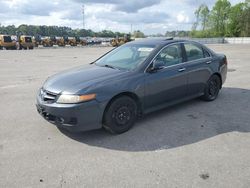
column 72, row 117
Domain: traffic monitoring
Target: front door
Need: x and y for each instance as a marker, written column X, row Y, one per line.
column 169, row 83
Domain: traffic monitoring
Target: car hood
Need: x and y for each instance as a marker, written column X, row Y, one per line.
column 84, row 77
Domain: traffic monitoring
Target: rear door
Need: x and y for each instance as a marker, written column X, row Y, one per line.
column 169, row 83
column 197, row 62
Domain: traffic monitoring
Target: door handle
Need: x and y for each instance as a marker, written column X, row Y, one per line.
column 208, row 62
column 182, row 69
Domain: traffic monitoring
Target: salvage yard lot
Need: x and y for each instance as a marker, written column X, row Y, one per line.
column 193, row 144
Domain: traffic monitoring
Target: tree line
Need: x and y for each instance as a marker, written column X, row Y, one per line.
column 56, row 31
column 223, row 20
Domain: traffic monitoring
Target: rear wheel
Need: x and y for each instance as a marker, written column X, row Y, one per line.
column 212, row 88
column 120, row 115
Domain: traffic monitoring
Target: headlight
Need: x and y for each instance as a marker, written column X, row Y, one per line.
column 72, row 99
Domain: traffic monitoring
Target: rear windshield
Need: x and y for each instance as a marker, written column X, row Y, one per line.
column 28, row 39
column 7, row 39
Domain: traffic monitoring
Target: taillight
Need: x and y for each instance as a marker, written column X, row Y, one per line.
column 225, row 60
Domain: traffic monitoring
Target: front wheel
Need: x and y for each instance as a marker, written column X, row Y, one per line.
column 120, row 115
column 212, row 88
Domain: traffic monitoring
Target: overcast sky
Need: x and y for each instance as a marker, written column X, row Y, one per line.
column 149, row 16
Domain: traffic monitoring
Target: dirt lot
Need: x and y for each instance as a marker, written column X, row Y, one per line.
column 194, row 144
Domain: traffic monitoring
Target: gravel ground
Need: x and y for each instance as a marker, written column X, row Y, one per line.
column 193, row 144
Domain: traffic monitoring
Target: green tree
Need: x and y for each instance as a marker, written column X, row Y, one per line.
column 202, row 19
column 139, row 34
column 204, row 16
column 197, row 18
column 246, row 22
column 236, row 20
column 219, row 17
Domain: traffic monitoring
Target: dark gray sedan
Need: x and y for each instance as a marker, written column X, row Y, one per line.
column 134, row 79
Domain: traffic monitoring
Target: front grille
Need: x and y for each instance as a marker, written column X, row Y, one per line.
column 48, row 96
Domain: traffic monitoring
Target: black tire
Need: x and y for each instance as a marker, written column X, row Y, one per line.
column 1, row 47
column 120, row 115
column 212, row 88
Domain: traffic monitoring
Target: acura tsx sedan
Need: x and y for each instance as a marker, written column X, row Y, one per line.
column 134, row 79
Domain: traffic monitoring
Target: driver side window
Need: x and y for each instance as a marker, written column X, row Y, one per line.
column 171, row 55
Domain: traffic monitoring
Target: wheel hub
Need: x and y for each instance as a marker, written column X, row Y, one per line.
column 122, row 115
column 213, row 88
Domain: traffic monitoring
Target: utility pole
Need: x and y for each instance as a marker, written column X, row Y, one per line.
column 83, row 16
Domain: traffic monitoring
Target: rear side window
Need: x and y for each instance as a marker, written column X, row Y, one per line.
column 193, row 52
column 206, row 54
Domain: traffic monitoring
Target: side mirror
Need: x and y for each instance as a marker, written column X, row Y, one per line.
column 157, row 65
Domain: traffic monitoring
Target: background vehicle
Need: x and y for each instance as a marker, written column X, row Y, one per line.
column 38, row 40
column 7, row 43
column 81, row 41
column 59, row 41
column 70, row 41
column 25, row 42
column 46, row 42
column 133, row 79
column 118, row 41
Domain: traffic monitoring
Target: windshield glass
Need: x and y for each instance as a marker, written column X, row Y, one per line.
column 7, row 39
column 127, row 57
column 28, row 39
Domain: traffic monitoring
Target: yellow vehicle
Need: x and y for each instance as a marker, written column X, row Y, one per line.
column 25, row 42
column 70, row 41
column 118, row 41
column 81, row 41
column 7, row 43
column 37, row 40
column 46, row 42
column 58, row 41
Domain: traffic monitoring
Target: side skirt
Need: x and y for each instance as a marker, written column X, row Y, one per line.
column 168, row 104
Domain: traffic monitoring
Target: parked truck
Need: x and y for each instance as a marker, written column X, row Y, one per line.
column 59, row 41
column 25, row 42
column 70, row 41
column 7, row 43
column 81, row 41
column 118, row 41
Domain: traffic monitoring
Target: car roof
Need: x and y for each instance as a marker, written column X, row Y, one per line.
column 156, row 41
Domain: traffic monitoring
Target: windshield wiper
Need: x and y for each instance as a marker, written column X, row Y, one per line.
column 110, row 66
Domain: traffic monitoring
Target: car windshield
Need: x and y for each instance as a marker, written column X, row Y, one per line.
column 7, row 39
column 28, row 39
column 127, row 57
